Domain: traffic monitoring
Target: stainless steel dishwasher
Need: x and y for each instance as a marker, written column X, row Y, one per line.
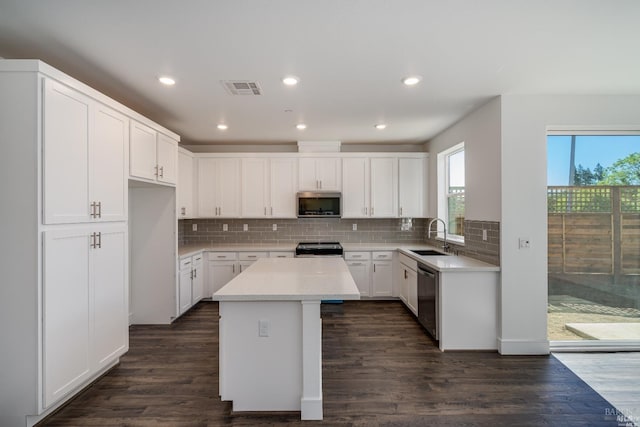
column 428, row 299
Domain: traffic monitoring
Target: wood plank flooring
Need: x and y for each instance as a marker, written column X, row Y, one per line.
column 379, row 369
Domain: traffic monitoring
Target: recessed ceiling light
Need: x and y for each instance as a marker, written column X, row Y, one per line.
column 166, row 80
column 380, row 126
column 301, row 126
column 290, row 80
column 222, row 126
column 411, row 80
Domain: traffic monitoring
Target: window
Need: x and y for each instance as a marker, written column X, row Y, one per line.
column 451, row 190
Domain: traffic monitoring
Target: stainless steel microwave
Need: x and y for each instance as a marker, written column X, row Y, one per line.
column 313, row 204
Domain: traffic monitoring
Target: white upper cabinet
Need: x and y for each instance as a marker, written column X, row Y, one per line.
column 284, row 184
column 84, row 158
column 152, row 155
column 66, row 154
column 369, row 187
column 321, row 173
column 256, row 202
column 269, row 187
column 108, row 149
column 412, row 187
column 355, row 188
column 384, row 187
column 219, row 187
column 167, row 154
column 184, row 186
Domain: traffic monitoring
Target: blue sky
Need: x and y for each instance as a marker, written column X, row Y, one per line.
column 590, row 150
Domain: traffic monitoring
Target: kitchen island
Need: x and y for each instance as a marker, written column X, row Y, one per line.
column 271, row 333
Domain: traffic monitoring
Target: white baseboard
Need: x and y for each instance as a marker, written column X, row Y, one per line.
column 522, row 347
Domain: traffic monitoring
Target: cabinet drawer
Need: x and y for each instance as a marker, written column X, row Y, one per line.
column 384, row 255
column 409, row 262
column 185, row 263
column 197, row 259
column 222, row 256
column 281, row 254
column 252, row 256
column 357, row 255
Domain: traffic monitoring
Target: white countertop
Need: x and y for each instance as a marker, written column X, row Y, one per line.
column 279, row 279
column 444, row 263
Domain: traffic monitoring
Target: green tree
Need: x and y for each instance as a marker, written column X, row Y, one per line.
column 625, row 171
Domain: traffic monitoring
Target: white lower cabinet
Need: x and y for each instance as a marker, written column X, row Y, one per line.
column 408, row 281
column 382, row 274
column 190, row 283
column 359, row 264
column 85, row 304
column 221, row 268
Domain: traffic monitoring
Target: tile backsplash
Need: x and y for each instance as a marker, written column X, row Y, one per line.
column 341, row 230
column 298, row 230
column 474, row 247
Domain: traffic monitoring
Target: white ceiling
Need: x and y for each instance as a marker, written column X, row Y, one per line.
column 349, row 54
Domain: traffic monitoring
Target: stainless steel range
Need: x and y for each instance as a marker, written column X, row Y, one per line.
column 314, row 249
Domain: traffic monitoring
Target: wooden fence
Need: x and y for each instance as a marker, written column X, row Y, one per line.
column 594, row 230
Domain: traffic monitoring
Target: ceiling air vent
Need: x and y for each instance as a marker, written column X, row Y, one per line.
column 242, row 87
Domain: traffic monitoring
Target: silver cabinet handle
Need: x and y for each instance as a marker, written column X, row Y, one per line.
column 371, row 210
column 183, row 211
column 271, row 211
column 355, row 263
column 93, row 210
column 92, row 243
column 99, row 244
column 357, row 256
column 321, row 184
column 191, row 277
column 195, row 274
column 265, row 211
column 251, row 256
column 405, row 274
column 400, row 210
column 155, row 170
column 161, row 171
column 374, row 268
column 99, row 209
column 234, row 269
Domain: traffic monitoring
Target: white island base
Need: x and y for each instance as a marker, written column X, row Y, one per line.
column 271, row 333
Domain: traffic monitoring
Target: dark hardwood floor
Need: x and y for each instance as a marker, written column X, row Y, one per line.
column 380, row 369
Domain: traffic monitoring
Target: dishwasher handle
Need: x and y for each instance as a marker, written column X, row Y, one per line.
column 427, row 273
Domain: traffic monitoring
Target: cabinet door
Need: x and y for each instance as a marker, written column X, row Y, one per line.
column 167, row 159
column 184, row 187
column 65, row 155
column 142, row 152
column 403, row 281
column 412, row 291
column 184, row 289
column 206, row 201
column 412, row 176
column 110, row 308
column 284, row 185
column 329, row 173
column 384, row 187
column 360, row 272
column 382, row 279
column 108, row 164
column 220, row 273
column 228, row 188
column 66, row 314
column 197, row 283
column 255, row 188
column 355, row 188
column 308, row 179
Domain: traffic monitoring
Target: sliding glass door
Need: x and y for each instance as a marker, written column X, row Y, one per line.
column 593, row 199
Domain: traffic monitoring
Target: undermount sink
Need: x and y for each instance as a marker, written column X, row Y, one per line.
column 427, row 252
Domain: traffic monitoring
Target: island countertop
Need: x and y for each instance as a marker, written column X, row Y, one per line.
column 291, row 279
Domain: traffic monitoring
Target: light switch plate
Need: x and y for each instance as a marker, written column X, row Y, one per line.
column 484, row 235
column 194, row 227
column 524, row 243
column 263, row 328
column 354, row 227
column 225, row 227
column 274, row 227
column 245, row 227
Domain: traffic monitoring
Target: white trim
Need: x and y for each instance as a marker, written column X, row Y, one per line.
column 584, row 346
column 443, row 184
column 522, row 347
column 593, row 130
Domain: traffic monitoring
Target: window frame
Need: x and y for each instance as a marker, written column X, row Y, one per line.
column 443, row 188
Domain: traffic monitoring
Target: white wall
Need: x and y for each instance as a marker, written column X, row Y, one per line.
column 480, row 132
column 523, row 328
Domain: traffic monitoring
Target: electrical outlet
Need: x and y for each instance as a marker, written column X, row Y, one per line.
column 225, row 227
column 355, row 227
column 484, row 235
column 194, row 227
column 524, row 243
column 245, row 227
column 274, row 227
column 263, row 328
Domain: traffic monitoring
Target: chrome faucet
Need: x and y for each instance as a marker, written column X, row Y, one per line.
column 444, row 224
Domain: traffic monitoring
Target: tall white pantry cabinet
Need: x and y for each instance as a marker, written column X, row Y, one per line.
column 64, row 300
